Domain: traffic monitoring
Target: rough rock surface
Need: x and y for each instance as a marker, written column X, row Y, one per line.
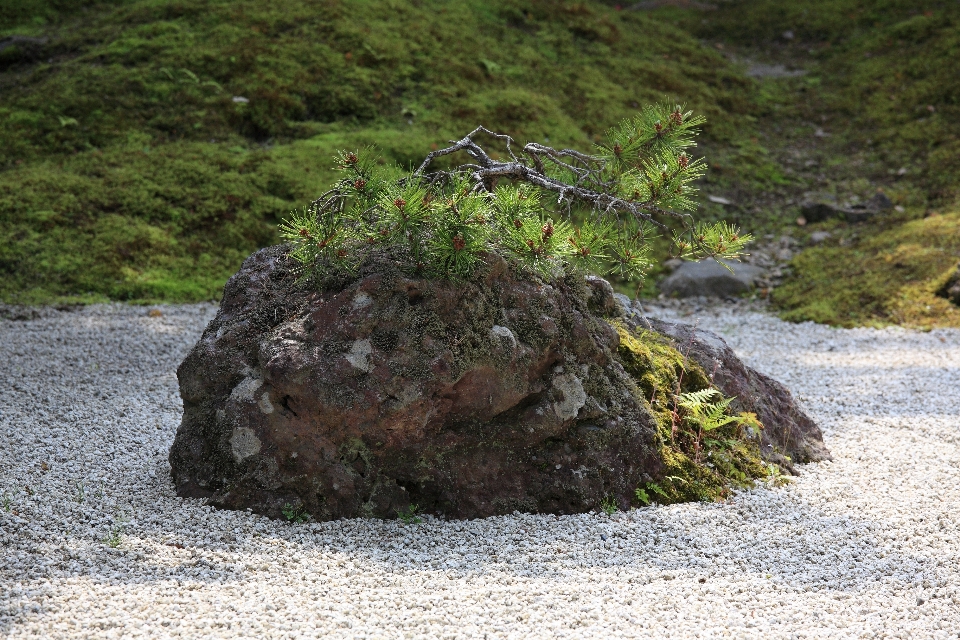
column 484, row 398
column 710, row 278
column 789, row 436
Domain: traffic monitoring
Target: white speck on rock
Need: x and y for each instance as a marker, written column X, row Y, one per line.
column 359, row 354
column 264, row 403
column 498, row 332
column 245, row 389
column 574, row 397
column 361, row 301
column 244, row 443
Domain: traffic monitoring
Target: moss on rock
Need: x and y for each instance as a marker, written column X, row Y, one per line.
column 696, row 466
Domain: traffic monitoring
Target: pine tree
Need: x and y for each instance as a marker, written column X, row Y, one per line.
column 636, row 184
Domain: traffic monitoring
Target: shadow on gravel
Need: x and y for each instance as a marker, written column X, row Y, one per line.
column 802, row 547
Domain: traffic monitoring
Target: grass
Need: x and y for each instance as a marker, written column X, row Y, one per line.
column 130, row 168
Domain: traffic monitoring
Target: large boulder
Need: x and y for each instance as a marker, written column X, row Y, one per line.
column 367, row 396
column 468, row 399
column 789, row 435
column 710, row 278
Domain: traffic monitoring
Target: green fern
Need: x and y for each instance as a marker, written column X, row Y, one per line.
column 706, row 415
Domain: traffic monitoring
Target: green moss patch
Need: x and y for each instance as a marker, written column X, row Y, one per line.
column 888, row 276
column 697, row 465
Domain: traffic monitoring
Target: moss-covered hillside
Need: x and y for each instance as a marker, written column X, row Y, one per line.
column 147, row 146
column 877, row 109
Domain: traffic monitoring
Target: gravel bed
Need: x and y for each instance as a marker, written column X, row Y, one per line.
column 94, row 543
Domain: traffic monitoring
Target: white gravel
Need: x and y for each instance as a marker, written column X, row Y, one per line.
column 866, row 546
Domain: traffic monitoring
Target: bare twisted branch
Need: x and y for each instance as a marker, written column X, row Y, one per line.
column 587, row 169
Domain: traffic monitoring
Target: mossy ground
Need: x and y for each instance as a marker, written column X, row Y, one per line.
column 697, row 466
column 889, row 276
column 878, row 108
column 130, row 167
column 128, row 171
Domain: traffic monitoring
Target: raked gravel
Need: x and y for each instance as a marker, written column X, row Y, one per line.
column 865, row 546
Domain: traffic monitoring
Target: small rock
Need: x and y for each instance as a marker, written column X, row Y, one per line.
column 672, row 264
column 817, row 237
column 241, row 100
column 880, row 202
column 951, row 289
column 818, row 211
column 710, row 278
column 718, row 200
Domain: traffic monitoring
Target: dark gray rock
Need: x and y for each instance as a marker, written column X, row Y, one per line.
column 818, row 211
column 951, row 288
column 469, row 399
column 710, row 278
column 814, row 211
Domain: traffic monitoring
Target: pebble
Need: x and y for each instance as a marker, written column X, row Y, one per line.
column 94, row 542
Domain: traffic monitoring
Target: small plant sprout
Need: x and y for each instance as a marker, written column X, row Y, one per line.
column 115, row 538
column 642, row 496
column 548, row 211
column 409, row 515
column 609, row 505
column 7, row 501
column 296, row 514
column 79, row 496
column 775, row 477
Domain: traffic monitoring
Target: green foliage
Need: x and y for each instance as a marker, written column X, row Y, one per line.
column 293, row 514
column 706, row 416
column 642, row 496
column 442, row 223
column 609, row 505
column 409, row 515
column 888, row 276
